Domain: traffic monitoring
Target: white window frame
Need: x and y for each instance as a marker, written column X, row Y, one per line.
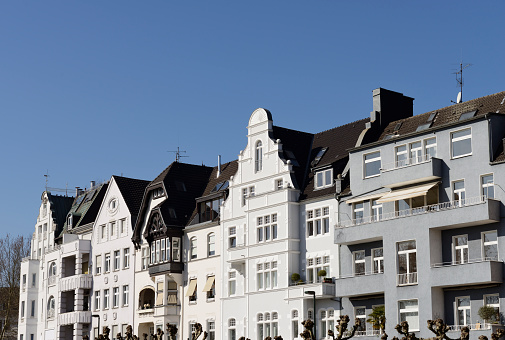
column 489, row 243
column 401, row 153
column 266, row 228
column 126, row 295
column 409, row 310
column 485, row 186
column 362, row 318
column 232, row 331
column 326, row 179
column 376, row 209
column 372, row 160
column 460, row 249
column 467, row 321
column 117, row 259
column 232, row 283
column 427, row 147
column 416, row 152
column 460, row 192
column 97, row 300
column 458, row 139
column 356, row 262
column 211, row 328
column 211, row 244
column 279, row 184
column 295, row 321
column 377, row 261
column 258, row 153
column 358, row 207
column 408, row 264
column 494, row 305
column 145, row 258
column 107, row 263
column 266, row 275
column 106, row 294
column 126, row 258
column 232, row 237
column 115, row 297
column 193, row 250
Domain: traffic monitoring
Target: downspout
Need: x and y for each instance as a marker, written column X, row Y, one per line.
column 490, row 134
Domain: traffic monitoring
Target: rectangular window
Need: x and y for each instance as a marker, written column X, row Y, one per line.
column 279, row 184
column 97, row 300
column 324, row 179
column 359, row 262
column 430, row 147
column 112, row 228
column 107, row 263
column 126, row 258
column 105, row 299
column 32, row 312
column 115, row 297
column 360, row 315
column 145, row 258
column 176, row 241
column 460, row 249
column 162, row 250
column 407, row 263
column 104, row 231
column 378, row 260
column 34, row 279
column 458, row 189
column 232, row 283
column 244, row 196
column 117, row 259
column 98, row 265
column 376, row 210
column 372, row 164
column 401, row 156
column 493, row 300
column 126, row 295
column 490, row 245
column 22, row 309
column 359, row 212
column 232, row 237
column 122, row 225
column 211, row 328
column 266, row 229
column 158, row 248
column 461, row 143
column 416, row 153
column 409, row 311
column 463, row 305
column 487, row 184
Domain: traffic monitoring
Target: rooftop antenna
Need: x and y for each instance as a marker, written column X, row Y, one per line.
column 459, row 80
column 47, row 177
column 178, row 155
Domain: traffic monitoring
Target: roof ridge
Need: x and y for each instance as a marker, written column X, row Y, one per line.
column 340, row 126
column 465, row 102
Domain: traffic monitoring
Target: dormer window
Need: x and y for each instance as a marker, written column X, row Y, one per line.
column 209, row 210
column 324, row 179
column 159, row 191
column 259, row 156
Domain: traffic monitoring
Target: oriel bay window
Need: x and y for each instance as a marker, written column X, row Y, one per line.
column 165, row 250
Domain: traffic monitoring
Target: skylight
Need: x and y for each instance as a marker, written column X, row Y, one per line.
column 319, row 155
column 220, row 186
column 467, row 115
column 423, row 126
column 432, row 116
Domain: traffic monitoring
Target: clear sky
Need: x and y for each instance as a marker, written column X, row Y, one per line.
column 90, row 89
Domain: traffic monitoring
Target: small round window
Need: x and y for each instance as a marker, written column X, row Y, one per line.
column 113, row 205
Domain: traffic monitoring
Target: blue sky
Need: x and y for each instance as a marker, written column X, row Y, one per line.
column 89, row 89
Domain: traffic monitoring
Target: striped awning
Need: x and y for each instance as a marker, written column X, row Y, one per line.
column 191, row 287
column 401, row 194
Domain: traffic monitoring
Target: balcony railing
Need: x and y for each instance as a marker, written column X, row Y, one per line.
column 414, row 211
column 370, row 332
column 475, row 326
column 406, row 279
column 406, row 162
column 358, row 275
column 463, row 262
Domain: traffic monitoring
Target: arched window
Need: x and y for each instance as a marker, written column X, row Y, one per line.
column 211, row 244
column 259, row 156
column 192, row 248
column 50, row 307
column 232, row 333
column 294, row 324
column 52, row 269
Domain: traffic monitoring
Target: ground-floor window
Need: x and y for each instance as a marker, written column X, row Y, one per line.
column 409, row 311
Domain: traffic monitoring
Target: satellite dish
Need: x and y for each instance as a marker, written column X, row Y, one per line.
column 458, row 100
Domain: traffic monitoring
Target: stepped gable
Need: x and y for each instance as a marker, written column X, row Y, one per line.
column 132, row 191
column 60, row 206
column 494, row 103
column 227, row 170
column 337, row 141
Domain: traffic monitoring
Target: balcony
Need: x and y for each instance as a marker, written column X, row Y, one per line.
column 370, row 332
column 472, row 273
column 51, row 280
column 83, row 281
column 71, row 318
column 449, row 215
column 476, row 330
column 360, row 285
column 168, row 267
column 406, row 279
column 411, row 171
column 323, row 290
column 166, row 310
column 145, row 312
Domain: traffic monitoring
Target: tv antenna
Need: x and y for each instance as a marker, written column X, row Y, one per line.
column 459, row 80
column 47, row 177
column 178, row 155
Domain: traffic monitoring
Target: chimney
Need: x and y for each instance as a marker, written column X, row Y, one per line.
column 218, row 166
column 389, row 106
column 91, row 185
column 78, row 191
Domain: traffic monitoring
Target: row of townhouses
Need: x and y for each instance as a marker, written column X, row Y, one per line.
column 394, row 210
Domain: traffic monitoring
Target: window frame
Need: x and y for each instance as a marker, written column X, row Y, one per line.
column 483, row 245
column 458, row 139
column 193, row 248
column 463, row 308
column 426, row 147
column 232, row 237
column 484, row 187
column 356, row 262
column 258, row 156
column 458, row 248
column 406, row 310
column 211, row 244
column 379, row 260
column 372, row 160
column 325, row 173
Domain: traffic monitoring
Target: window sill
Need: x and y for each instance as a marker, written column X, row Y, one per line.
column 461, row 156
column 192, row 302
column 211, row 299
column 371, row 176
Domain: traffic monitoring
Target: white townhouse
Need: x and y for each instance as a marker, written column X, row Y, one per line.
column 113, row 256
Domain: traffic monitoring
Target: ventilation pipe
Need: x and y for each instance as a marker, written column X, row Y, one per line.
column 218, row 166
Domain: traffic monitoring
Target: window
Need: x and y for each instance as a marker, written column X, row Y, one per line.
column 294, row 324
column 104, row 231
column 359, row 212
column 416, row 153
column 97, row 300
column 487, row 184
column 376, row 210
column 114, row 331
column 401, row 156
column 211, row 244
column 244, row 196
column 211, row 329
column 117, row 259
column 430, row 147
column 105, row 299
column 463, row 304
column 490, row 245
column 267, row 325
column 126, row 295
column 232, row 335
column 34, row 279
column 52, row 269
column 22, row 309
column 24, row 279
column 158, row 251
column 407, row 263
column 360, row 315
column 372, row 164
column 107, row 263
column 279, row 184
column 318, row 221
column 126, row 258
column 461, row 143
column 460, row 249
column 266, row 275
column 493, row 300
column 192, row 294
column 115, row 297
column 458, row 189
column 112, row 228
column 314, row 265
column 232, row 283
column 378, row 260
column 324, row 179
column 209, row 210
column 327, row 320
column 266, row 229
column 232, row 237
column 359, row 262
column 176, row 241
column 409, row 311
column 172, row 293
column 192, row 248
column 210, row 288
column 122, row 226
column 145, row 257
column 159, row 293
column 259, row 156
column 51, row 305
column 32, row 312
column 98, row 266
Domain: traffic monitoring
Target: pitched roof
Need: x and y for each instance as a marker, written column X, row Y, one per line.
column 132, row 191
column 494, row 103
column 60, row 206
